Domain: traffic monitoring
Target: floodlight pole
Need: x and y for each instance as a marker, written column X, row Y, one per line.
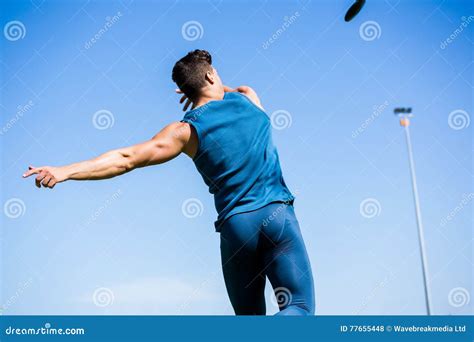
column 404, row 114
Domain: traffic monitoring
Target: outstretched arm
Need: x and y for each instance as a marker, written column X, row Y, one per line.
column 164, row 146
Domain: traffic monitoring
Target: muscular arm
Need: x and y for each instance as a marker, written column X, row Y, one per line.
column 164, row 146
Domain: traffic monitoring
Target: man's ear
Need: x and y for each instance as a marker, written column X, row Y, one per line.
column 210, row 77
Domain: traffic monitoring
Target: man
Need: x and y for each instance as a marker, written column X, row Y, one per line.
column 228, row 136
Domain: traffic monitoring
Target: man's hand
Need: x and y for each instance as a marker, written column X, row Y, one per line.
column 184, row 98
column 48, row 176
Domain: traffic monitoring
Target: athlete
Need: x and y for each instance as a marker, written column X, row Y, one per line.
column 228, row 136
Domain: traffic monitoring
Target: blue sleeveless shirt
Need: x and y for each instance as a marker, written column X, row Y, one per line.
column 236, row 156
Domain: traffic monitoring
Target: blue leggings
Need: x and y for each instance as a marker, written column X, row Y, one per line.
column 266, row 243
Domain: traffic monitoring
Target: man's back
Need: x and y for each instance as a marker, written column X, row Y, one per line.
column 232, row 148
column 236, row 156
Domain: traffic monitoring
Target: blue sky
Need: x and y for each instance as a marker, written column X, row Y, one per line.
column 125, row 246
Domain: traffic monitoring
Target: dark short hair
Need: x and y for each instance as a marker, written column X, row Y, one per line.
column 189, row 73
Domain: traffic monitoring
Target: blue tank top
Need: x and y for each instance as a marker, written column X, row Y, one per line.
column 236, row 156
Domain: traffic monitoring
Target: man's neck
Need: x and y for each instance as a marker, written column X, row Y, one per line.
column 209, row 95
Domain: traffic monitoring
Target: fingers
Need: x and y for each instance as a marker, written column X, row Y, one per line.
column 32, row 171
column 45, row 179
column 183, row 99
column 50, row 183
column 42, row 175
column 188, row 102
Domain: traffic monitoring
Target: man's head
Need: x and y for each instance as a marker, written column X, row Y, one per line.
column 194, row 74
